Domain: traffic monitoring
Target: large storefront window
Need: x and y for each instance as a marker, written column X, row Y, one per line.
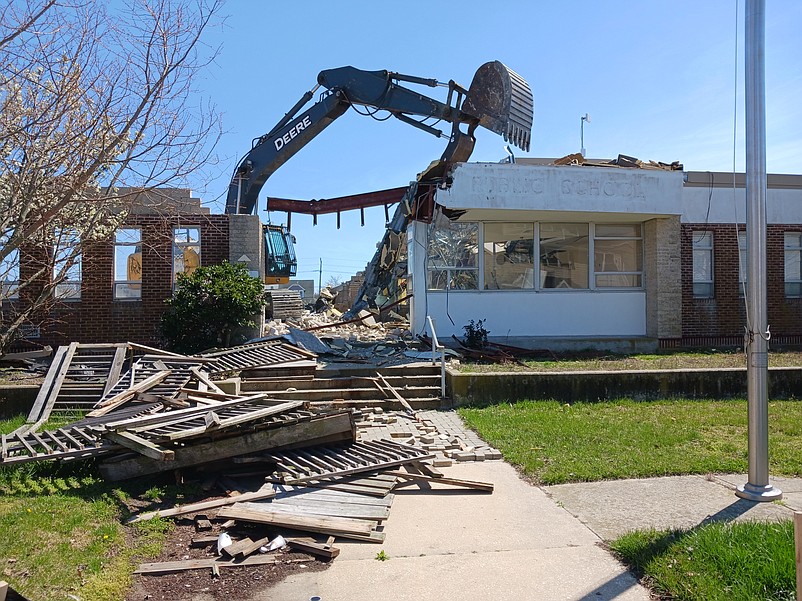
column 453, row 257
column 618, row 255
column 509, row 258
column 564, row 255
column 572, row 256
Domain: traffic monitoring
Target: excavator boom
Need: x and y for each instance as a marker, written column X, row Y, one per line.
column 498, row 99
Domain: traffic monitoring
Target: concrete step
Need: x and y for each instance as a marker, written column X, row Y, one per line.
column 329, row 394
column 397, row 382
column 338, row 371
column 418, row 404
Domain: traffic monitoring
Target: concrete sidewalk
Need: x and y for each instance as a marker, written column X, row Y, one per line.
column 614, row 507
column 515, row 543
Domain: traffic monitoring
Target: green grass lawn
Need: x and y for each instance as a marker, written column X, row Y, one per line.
column 60, row 532
column 717, row 562
column 554, row 443
column 599, row 361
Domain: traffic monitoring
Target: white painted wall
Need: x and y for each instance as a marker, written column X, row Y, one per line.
column 528, row 313
column 723, row 205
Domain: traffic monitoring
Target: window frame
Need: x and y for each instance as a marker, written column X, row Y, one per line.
column 797, row 249
column 133, row 285
column 703, row 288
column 543, row 274
column 180, row 247
column 452, row 269
column 743, row 268
column 9, row 288
column 636, row 275
column 64, row 241
column 528, row 278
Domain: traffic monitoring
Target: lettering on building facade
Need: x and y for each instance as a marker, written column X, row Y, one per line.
column 630, row 186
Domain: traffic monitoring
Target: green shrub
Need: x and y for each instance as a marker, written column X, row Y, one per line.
column 209, row 305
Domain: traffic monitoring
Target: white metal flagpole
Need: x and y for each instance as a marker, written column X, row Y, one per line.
column 757, row 342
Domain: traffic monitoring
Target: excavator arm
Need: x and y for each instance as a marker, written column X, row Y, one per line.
column 498, row 99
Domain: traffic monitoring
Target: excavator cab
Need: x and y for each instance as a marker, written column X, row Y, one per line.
column 280, row 262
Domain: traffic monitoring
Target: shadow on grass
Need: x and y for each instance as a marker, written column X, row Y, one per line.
column 662, row 542
column 82, row 480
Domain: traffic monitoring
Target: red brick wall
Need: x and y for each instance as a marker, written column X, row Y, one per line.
column 97, row 317
column 724, row 315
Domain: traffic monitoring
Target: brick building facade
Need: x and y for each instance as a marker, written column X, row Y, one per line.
column 95, row 314
column 683, row 291
column 719, row 319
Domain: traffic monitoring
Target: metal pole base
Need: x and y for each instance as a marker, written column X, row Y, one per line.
column 761, row 494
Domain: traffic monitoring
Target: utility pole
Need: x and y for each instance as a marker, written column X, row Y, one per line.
column 757, row 336
column 320, row 277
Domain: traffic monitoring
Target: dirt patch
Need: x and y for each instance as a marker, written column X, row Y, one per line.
column 240, row 583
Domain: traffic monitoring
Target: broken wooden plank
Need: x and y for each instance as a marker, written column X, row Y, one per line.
column 211, row 421
column 266, row 492
column 290, row 493
column 308, row 545
column 140, row 445
column 483, row 486
column 104, row 406
column 345, row 527
column 334, row 509
column 49, row 389
column 407, row 407
column 116, row 369
column 202, row 523
column 167, row 567
column 203, row 541
column 425, row 468
column 317, row 430
column 253, row 547
column 203, row 377
column 234, row 548
column 237, row 420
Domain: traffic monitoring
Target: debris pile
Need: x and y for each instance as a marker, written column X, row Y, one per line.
column 302, row 465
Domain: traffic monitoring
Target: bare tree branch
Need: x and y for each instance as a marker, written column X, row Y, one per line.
column 97, row 106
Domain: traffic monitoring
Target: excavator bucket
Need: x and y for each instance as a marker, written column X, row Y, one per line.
column 502, row 101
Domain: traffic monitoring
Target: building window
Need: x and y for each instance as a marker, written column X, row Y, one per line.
column 564, row 255
column 9, row 276
column 793, row 264
column 509, row 257
column 742, row 269
column 702, row 264
column 618, row 256
column 186, row 250
column 453, row 261
column 128, row 263
column 67, row 265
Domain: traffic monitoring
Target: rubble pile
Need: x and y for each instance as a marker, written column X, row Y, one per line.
column 299, row 464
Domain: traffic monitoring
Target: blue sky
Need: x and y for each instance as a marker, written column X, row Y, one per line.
column 657, row 78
